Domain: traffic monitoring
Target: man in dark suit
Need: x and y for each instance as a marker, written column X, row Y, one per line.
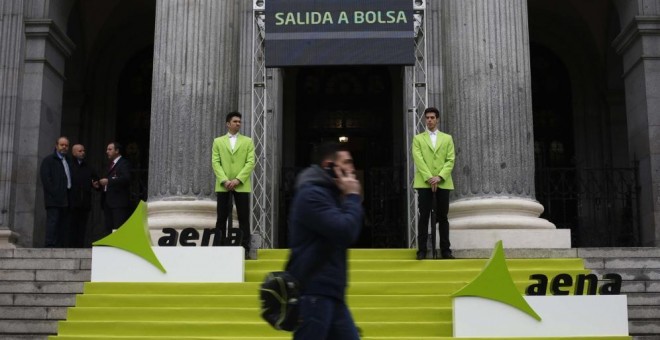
column 115, row 198
column 83, row 179
column 56, row 180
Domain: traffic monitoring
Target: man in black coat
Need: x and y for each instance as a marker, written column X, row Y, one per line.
column 56, row 180
column 83, row 179
column 115, row 198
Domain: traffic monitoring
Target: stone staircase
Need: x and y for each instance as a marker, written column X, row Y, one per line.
column 36, row 288
column 640, row 270
column 37, row 285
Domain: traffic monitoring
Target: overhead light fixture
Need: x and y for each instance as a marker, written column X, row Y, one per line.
column 343, row 139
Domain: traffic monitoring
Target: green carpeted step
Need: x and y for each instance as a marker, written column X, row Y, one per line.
column 459, row 264
column 236, row 314
column 422, row 275
column 140, row 288
column 199, row 301
column 255, row 329
column 250, row 288
column 392, row 296
column 287, row 336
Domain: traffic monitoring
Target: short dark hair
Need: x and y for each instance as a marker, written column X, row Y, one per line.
column 432, row 109
column 118, row 147
column 57, row 141
column 231, row 115
column 327, row 151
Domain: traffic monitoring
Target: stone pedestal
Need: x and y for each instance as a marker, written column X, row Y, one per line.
column 195, row 82
column 487, row 109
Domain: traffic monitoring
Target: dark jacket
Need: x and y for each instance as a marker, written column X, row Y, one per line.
column 82, row 174
column 322, row 225
column 119, row 182
column 53, row 179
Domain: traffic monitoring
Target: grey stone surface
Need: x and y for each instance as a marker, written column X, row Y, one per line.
column 517, row 253
column 40, row 264
column 13, row 313
column 638, row 44
column 619, row 252
column 52, row 253
column 50, row 300
column 631, row 274
column 85, row 264
column 46, row 49
column 6, row 253
column 643, row 299
column 642, row 262
column 487, row 84
column 17, row 274
column 11, row 38
column 41, row 287
column 633, row 287
column 195, row 82
column 644, row 327
column 594, row 263
column 643, row 312
column 63, row 275
column 28, row 327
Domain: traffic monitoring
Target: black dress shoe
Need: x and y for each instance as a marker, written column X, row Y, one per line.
column 421, row 254
column 447, row 255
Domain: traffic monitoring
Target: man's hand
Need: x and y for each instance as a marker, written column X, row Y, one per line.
column 231, row 185
column 347, row 183
column 95, row 184
column 103, row 181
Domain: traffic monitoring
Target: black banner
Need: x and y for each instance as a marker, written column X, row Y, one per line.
column 339, row 32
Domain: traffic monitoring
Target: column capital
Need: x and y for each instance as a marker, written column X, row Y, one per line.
column 47, row 30
column 639, row 26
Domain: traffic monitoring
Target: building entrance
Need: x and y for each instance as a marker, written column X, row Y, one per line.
column 361, row 107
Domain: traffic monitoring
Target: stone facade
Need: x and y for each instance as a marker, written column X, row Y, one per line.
column 478, row 73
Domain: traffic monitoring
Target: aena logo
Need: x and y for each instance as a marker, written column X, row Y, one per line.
column 561, row 284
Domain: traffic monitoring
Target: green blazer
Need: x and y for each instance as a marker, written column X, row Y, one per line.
column 431, row 162
column 228, row 164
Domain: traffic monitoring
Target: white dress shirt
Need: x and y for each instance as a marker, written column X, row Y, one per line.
column 232, row 140
column 434, row 137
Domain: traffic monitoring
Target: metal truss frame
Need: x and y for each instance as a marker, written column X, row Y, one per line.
column 264, row 129
column 263, row 212
column 417, row 95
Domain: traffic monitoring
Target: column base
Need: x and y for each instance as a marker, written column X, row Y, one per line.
column 481, row 222
column 8, row 239
column 180, row 215
column 511, row 238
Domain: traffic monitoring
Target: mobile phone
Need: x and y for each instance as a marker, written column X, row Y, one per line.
column 330, row 169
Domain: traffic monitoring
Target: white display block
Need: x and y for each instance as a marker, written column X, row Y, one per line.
column 183, row 264
column 585, row 315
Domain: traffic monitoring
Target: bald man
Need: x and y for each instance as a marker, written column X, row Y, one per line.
column 83, row 179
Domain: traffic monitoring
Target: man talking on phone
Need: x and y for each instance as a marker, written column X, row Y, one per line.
column 325, row 219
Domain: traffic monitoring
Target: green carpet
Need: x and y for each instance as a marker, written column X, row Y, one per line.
column 392, row 296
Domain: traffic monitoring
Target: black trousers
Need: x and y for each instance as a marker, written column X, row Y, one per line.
column 115, row 217
column 78, row 227
column 425, row 201
column 57, row 227
column 224, row 207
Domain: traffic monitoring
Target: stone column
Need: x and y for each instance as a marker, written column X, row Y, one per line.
column 487, row 108
column 194, row 86
column 639, row 45
column 11, row 38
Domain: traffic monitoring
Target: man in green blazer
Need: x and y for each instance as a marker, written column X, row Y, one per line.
column 233, row 162
column 433, row 152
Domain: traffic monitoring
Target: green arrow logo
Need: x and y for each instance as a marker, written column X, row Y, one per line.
column 133, row 236
column 495, row 283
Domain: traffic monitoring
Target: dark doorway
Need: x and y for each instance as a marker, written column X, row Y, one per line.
column 361, row 107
